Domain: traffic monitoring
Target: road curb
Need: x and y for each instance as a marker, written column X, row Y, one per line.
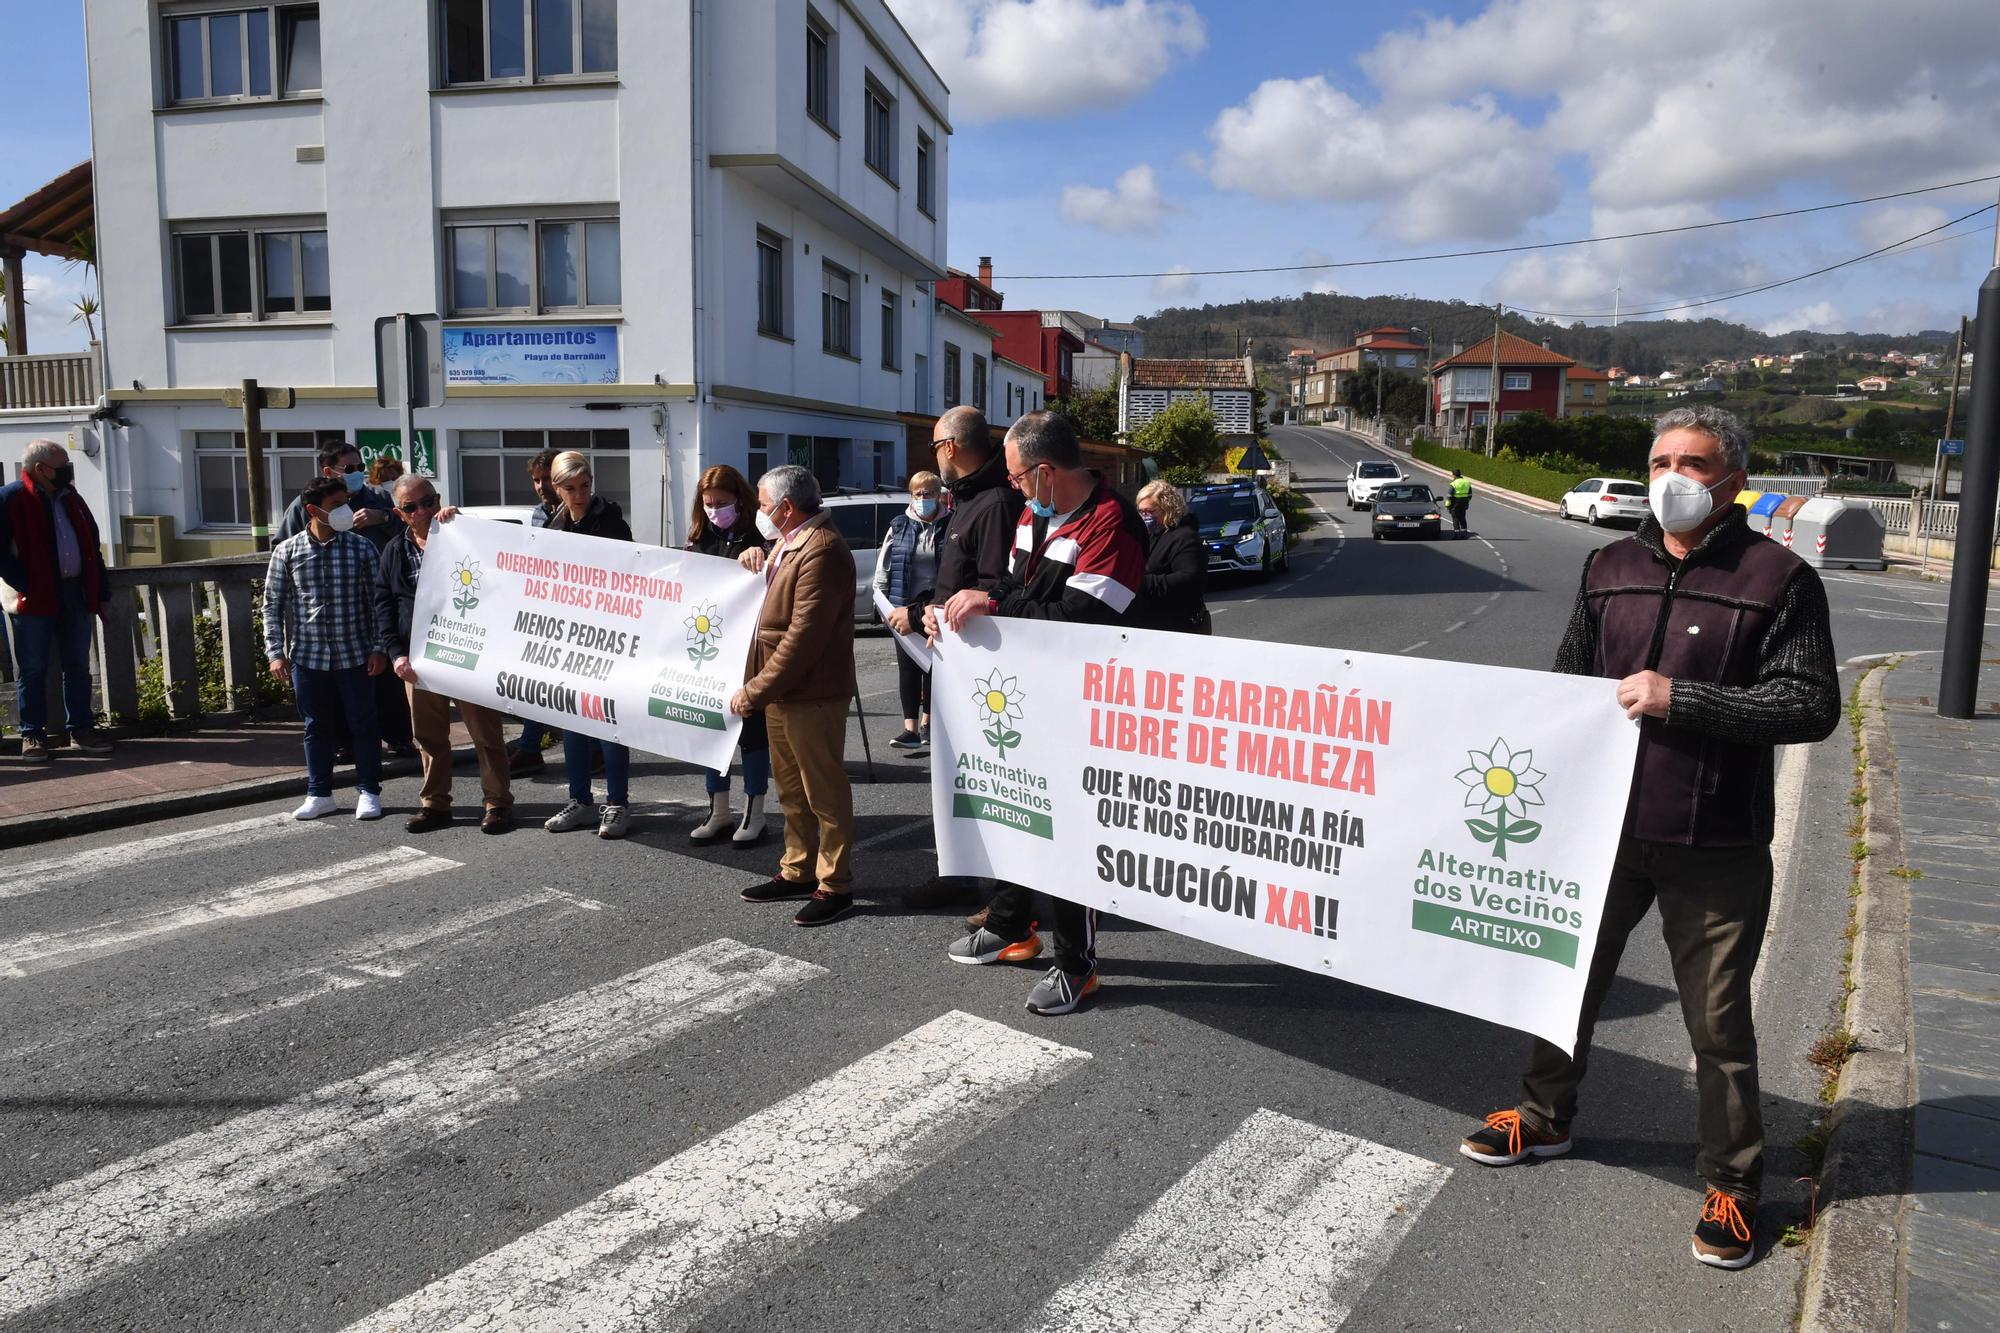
column 31, row 829
column 1854, row 1281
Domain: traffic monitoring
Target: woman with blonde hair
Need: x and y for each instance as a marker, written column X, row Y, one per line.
column 724, row 524
column 906, row 574
column 1170, row 593
column 582, row 511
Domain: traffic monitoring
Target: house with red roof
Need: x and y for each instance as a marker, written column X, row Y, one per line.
column 1532, row 379
column 1589, row 391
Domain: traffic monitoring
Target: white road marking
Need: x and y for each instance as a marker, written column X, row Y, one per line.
column 79, row 1232
column 1454, row 626
column 665, row 1247
column 383, row 956
column 1279, row 1230
column 49, row 871
column 1413, row 647
column 26, row 955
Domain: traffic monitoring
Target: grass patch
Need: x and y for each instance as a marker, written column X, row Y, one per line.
column 1513, row 476
column 1907, row 872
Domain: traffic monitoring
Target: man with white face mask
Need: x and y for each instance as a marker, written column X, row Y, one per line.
column 321, row 634
column 1721, row 646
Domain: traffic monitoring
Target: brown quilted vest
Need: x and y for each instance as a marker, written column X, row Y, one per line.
column 1705, row 621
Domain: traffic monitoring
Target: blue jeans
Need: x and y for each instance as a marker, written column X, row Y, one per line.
column 532, row 731
column 67, row 635
column 577, row 750
column 755, row 740
column 315, row 693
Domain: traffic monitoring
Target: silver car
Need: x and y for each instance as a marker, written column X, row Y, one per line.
column 1406, row 509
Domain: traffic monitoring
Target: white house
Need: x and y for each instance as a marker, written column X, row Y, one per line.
column 669, row 234
column 1146, row 387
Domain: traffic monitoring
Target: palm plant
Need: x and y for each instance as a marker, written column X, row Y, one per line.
column 83, row 251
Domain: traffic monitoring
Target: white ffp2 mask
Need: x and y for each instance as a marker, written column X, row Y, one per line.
column 1681, row 503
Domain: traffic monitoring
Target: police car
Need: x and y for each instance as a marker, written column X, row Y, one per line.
column 1241, row 526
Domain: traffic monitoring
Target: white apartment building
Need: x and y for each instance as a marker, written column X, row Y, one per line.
column 671, row 233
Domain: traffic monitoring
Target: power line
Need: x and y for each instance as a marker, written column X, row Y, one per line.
column 1752, row 291
column 1491, row 250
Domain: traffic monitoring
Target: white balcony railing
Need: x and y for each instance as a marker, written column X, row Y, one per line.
column 54, row 379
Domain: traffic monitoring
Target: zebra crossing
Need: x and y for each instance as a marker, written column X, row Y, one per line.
column 1282, row 1224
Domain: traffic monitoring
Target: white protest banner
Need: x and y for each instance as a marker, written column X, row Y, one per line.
column 1439, row 831
column 914, row 643
column 628, row 643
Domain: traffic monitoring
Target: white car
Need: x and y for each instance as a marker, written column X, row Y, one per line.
column 1364, row 479
column 1604, row 500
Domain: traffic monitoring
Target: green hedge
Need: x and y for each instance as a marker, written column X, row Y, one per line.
column 1512, row 476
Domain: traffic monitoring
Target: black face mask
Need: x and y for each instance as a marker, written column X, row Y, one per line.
column 65, row 476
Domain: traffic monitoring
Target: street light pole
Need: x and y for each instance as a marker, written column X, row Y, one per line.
column 1427, row 374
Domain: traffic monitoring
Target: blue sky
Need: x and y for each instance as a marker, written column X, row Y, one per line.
column 1098, row 136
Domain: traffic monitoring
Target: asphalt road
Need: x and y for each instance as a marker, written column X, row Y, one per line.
column 268, row 1076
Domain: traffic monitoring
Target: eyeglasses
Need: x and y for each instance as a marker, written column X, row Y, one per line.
column 1014, row 478
column 428, row 502
column 939, row 444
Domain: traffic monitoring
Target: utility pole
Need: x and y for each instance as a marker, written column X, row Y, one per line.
column 1979, row 484
column 1938, row 459
column 1493, row 387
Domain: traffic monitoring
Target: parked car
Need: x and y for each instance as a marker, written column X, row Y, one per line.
column 1604, row 500
column 1406, row 509
column 1364, row 478
column 862, row 519
column 521, row 514
column 1242, row 527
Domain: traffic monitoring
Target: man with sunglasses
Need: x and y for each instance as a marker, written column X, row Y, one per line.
column 430, row 714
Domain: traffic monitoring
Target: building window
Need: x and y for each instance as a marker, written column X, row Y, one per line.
column 222, row 472
column 891, row 339
column 770, row 283
column 529, row 267
column 979, row 382
column 885, row 463
column 880, row 145
column 251, row 274
column 239, row 55
column 493, row 464
column 758, row 460
column 836, row 310
column 951, row 398
column 503, row 41
column 920, row 399
column 1590, row 391
column 819, row 70
column 926, row 175
column 1515, row 379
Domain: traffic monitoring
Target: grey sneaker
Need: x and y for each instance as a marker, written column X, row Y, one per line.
column 983, row 946
column 89, row 742
column 1059, row 992
column 575, row 815
column 615, row 822
column 34, row 749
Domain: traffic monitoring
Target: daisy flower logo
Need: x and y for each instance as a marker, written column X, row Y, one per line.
column 1503, row 783
column 999, row 707
column 704, row 627
column 465, row 585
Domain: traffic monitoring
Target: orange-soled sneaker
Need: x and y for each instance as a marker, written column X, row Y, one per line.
column 983, row 946
column 1505, row 1141
column 1726, row 1236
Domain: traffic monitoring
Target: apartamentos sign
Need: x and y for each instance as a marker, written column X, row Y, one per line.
column 531, row 354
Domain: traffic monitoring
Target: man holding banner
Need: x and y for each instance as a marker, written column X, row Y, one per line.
column 1079, row 556
column 1721, row 647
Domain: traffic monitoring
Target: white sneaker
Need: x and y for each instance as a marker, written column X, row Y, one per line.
column 368, row 806
column 315, row 807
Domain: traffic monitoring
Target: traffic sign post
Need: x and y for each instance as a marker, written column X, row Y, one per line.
column 1952, row 448
column 409, row 374
column 253, row 399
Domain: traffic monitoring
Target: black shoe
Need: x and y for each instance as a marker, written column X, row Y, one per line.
column 1507, row 1139
column 776, row 890
column 523, row 762
column 907, row 740
column 824, row 907
column 942, row 892
column 1726, row 1235
column 425, row 820
column 927, row 733
column 497, row 820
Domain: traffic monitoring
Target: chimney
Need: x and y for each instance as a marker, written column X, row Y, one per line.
column 986, row 270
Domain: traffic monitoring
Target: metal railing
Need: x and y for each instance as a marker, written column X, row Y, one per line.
column 53, row 379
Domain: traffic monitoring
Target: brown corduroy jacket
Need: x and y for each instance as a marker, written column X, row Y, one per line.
column 805, row 638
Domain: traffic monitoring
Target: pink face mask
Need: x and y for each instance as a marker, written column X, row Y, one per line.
column 723, row 516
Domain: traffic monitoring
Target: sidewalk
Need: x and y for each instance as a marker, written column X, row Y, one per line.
column 1948, row 778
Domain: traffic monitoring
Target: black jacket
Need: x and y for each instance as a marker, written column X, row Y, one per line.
column 293, row 521
column 1170, row 595
column 728, row 543
column 396, row 592
column 602, row 519
column 979, row 540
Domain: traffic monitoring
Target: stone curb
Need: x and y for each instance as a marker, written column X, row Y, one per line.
column 31, row 829
column 1854, row 1281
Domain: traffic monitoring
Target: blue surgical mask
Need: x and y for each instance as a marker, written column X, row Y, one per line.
column 1039, row 507
column 926, row 506
column 1152, row 524
column 355, row 480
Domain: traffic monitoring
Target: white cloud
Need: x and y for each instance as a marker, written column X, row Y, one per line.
column 1133, row 203
column 1820, row 316
column 1450, row 170
column 1044, row 59
column 1176, row 285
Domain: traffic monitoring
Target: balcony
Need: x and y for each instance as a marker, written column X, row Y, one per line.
column 50, row 380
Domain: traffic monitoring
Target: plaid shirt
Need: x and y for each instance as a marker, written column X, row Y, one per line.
column 319, row 598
